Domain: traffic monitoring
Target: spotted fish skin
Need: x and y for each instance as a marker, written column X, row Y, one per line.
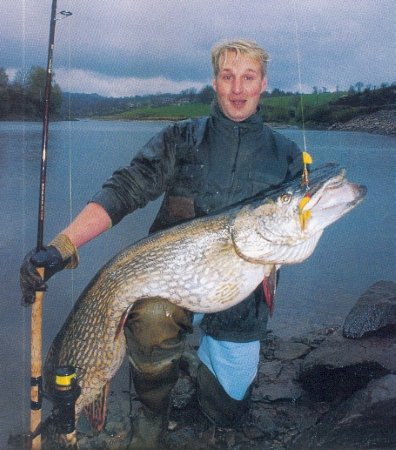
column 206, row 265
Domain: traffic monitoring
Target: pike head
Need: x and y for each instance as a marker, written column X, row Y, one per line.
column 283, row 225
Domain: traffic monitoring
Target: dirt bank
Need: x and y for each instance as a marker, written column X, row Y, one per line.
column 380, row 122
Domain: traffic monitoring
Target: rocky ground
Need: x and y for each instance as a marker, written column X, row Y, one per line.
column 380, row 122
column 331, row 389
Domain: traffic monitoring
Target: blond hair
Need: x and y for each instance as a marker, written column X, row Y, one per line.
column 240, row 47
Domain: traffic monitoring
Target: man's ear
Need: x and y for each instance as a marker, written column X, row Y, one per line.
column 214, row 84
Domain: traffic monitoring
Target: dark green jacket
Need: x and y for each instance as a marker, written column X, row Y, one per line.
column 203, row 165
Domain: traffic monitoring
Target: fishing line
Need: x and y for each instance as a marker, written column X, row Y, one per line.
column 70, row 161
column 70, row 152
column 306, row 157
column 298, row 52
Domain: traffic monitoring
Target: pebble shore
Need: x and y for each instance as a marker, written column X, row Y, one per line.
column 380, row 122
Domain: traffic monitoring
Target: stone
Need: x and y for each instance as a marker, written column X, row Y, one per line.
column 277, row 382
column 314, row 338
column 365, row 421
column 288, row 350
column 374, row 311
column 341, row 366
column 269, row 371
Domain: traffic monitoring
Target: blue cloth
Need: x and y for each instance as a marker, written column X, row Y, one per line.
column 233, row 364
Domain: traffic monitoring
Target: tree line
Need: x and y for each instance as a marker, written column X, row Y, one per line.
column 23, row 97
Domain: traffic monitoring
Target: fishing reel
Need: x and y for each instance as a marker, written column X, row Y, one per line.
column 65, row 396
column 63, row 417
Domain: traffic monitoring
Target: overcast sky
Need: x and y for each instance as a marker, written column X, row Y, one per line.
column 128, row 47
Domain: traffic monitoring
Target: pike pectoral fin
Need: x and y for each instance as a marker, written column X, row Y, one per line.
column 269, row 288
column 96, row 412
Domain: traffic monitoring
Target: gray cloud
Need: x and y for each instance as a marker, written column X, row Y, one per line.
column 338, row 42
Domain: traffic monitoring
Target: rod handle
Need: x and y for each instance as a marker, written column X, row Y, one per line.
column 36, row 364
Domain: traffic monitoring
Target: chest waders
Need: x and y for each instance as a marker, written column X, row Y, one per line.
column 155, row 331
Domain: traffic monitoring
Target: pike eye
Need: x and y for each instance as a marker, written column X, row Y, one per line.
column 285, row 198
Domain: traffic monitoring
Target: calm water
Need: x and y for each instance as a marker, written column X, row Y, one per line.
column 354, row 253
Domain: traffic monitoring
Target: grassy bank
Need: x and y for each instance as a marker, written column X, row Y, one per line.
column 169, row 112
column 315, row 110
column 283, row 109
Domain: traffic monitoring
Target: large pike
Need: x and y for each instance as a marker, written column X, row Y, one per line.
column 206, row 265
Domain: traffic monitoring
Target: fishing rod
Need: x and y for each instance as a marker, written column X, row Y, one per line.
column 36, row 314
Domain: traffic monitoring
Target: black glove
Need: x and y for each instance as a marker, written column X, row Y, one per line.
column 60, row 254
column 50, row 259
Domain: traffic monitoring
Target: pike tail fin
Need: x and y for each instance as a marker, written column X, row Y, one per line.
column 96, row 412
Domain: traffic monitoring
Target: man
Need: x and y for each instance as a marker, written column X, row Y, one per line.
column 201, row 165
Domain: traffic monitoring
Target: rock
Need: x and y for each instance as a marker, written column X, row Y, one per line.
column 314, row 338
column 365, row 421
column 269, row 371
column 262, row 423
column 375, row 310
column 288, row 350
column 341, row 366
column 280, row 423
column 269, row 345
column 277, row 381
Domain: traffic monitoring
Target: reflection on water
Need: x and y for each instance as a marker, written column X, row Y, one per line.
column 354, row 253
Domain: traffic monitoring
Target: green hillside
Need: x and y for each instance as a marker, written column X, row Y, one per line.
column 167, row 112
column 291, row 109
column 285, row 108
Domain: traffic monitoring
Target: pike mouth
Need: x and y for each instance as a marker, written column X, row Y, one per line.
column 335, row 197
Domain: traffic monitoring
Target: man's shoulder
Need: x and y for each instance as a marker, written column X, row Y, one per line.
column 191, row 128
column 192, row 122
column 272, row 131
column 278, row 137
column 279, row 143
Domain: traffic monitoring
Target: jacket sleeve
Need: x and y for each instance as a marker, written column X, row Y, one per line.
column 145, row 179
column 295, row 161
column 292, row 154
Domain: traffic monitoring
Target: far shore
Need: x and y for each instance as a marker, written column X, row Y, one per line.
column 380, row 122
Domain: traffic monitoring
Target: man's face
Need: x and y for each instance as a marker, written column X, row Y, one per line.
column 238, row 86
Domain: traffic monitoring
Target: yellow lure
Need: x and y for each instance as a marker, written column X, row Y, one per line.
column 307, row 158
column 305, row 215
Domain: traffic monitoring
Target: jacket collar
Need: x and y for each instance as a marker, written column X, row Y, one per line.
column 255, row 121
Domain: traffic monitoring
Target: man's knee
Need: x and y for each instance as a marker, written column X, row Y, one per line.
column 155, row 333
column 225, row 377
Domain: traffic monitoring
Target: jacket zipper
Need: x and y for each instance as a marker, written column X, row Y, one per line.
column 237, row 132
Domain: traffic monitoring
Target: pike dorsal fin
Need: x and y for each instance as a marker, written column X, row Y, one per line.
column 96, row 412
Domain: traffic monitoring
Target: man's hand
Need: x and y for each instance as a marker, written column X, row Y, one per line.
column 60, row 254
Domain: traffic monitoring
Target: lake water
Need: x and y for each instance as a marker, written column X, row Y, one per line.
column 352, row 254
